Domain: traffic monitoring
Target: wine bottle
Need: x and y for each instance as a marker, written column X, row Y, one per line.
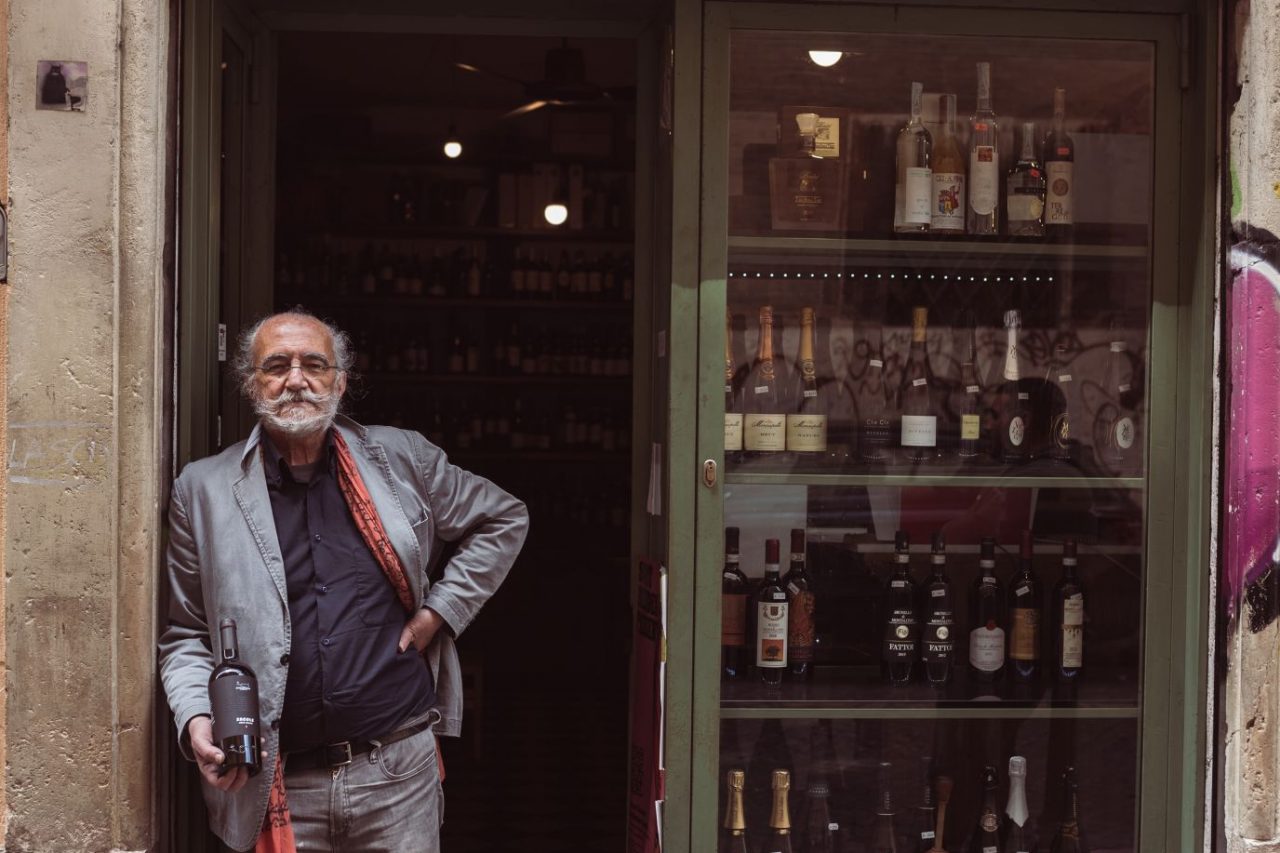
column 986, row 835
column 1059, row 165
column 732, row 401
column 986, row 638
column 1025, row 615
column 942, row 793
column 983, row 213
column 807, row 420
column 820, row 831
column 947, row 215
column 939, row 614
column 925, row 812
column 914, row 188
column 875, row 436
column 1024, row 188
column 970, row 405
column 1068, row 617
column 1115, row 426
column 233, row 699
column 800, row 611
column 771, row 619
column 735, row 589
column 1016, row 832
column 1068, row 838
column 901, row 624
column 1013, row 403
column 918, row 433
column 884, row 838
column 764, row 429
column 841, row 402
column 733, row 838
column 780, row 816
column 1056, row 444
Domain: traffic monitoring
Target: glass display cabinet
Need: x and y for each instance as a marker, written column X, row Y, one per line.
column 934, row 544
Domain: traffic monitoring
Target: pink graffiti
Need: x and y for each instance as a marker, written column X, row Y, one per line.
column 1252, row 482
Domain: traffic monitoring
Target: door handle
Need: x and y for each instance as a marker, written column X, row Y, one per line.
column 709, row 473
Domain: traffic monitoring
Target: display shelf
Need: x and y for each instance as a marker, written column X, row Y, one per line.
column 871, row 249
column 376, row 302
column 487, row 379
column 952, row 481
column 558, row 457
column 469, row 233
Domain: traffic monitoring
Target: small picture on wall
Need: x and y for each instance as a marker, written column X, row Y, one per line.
column 62, row 85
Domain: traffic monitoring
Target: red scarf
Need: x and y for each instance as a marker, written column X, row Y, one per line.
column 277, row 828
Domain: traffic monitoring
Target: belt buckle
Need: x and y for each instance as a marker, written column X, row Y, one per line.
column 343, row 748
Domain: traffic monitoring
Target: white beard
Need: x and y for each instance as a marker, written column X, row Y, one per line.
column 283, row 415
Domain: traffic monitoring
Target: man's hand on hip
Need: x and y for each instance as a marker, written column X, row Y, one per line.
column 421, row 629
column 209, row 758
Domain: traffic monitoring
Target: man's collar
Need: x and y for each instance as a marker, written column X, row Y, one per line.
column 274, row 466
column 355, row 433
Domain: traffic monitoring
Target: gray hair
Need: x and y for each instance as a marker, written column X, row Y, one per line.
column 243, row 363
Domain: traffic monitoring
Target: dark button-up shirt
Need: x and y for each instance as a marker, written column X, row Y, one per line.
column 347, row 680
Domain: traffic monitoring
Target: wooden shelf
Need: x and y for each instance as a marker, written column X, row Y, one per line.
column 558, row 457
column 378, row 378
column 1008, row 480
column 949, row 248
column 470, row 233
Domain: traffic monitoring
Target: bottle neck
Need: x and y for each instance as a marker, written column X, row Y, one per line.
column 735, row 818
column 806, row 339
column 1028, row 142
column 764, row 351
column 1011, row 372
column 917, row 91
column 780, row 818
column 1059, row 110
column 984, row 87
column 1017, row 806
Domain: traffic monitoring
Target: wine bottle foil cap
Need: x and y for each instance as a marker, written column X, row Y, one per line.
column 819, row 789
column 939, row 541
column 781, row 779
column 1069, row 549
column 772, row 551
column 988, row 546
column 1017, row 766
column 1013, row 318
column 737, row 778
column 806, row 315
column 766, row 313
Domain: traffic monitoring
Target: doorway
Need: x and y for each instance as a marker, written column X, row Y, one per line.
column 504, row 338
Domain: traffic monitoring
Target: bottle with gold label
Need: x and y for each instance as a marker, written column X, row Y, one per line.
column 807, row 419
column 800, row 611
column 780, row 816
column 733, row 838
column 971, row 445
column 1026, row 615
column 1056, row 443
column 918, row 427
column 764, row 427
column 732, row 400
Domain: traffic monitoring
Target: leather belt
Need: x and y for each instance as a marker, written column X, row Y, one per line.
column 340, row 754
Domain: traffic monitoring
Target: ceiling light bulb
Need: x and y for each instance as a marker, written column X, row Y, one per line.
column 556, row 213
column 453, row 149
column 825, row 58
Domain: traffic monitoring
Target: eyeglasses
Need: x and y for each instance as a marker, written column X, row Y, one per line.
column 311, row 367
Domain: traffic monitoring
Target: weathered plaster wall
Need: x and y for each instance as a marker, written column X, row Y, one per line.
column 85, row 457
column 1251, row 696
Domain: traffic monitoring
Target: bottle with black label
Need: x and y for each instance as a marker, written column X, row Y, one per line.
column 986, row 618
column 1068, row 618
column 1026, row 611
column 1013, row 405
column 1017, row 835
column 771, row 618
column 926, row 815
column 986, row 835
column 1056, row 443
column 735, row 589
column 901, row 623
column 233, row 697
column 800, row 611
column 875, row 432
column 939, row 614
column 733, row 838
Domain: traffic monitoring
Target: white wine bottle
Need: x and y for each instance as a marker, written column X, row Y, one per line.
column 947, row 215
column 913, row 192
column 918, row 432
column 983, row 213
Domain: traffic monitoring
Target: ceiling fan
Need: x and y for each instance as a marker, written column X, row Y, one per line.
column 564, row 83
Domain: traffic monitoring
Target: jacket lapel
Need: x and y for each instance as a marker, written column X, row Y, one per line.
column 251, row 496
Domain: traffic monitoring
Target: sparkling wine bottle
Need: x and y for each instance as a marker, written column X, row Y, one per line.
column 1068, row 617
column 918, row 432
column 926, row 814
column 1059, row 166
column 771, row 619
column 912, row 208
column 986, row 618
column 807, row 420
column 986, row 835
column 983, row 211
column 884, row 838
column 764, row 430
column 1055, row 403
column 800, row 611
column 780, row 817
column 875, row 432
column 901, row 623
column 735, row 590
column 1024, row 188
column 732, row 400
column 233, row 698
column 1068, row 838
column 939, row 612
column 733, row 837
column 1016, row 832
column 820, row 834
column 1012, row 403
column 1026, row 615
column 948, row 213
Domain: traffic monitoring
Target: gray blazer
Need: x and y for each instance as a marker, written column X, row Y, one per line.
column 224, row 560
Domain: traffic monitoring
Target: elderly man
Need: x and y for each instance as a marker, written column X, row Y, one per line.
column 316, row 535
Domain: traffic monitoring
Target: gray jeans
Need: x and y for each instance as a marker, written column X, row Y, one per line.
column 388, row 800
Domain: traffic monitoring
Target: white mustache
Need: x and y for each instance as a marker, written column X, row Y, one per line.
column 298, row 423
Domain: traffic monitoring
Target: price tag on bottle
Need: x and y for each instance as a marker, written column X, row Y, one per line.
column 762, row 389
column 875, row 362
column 897, row 584
column 1064, row 377
column 971, row 389
column 938, row 593
column 916, row 383
column 1022, row 590
column 810, row 393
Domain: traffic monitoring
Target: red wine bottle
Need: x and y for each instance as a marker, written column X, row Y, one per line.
column 233, row 695
column 800, row 611
column 735, row 589
column 771, row 619
column 986, row 619
column 901, row 623
column 1068, row 618
column 1026, row 611
column 939, row 614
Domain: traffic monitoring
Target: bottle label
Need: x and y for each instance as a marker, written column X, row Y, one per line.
column 919, row 431
column 901, row 636
column 234, row 700
column 1058, row 174
column 916, row 204
column 800, row 627
column 1125, row 432
column 939, row 642
column 764, row 432
column 984, row 179
column 1060, row 429
column 733, row 618
column 1026, row 634
column 928, row 835
column 1024, row 205
column 986, row 649
column 970, row 427
column 732, row 431
column 807, row 433
column 1073, row 631
column 771, row 634
column 948, row 202
column 1017, row 431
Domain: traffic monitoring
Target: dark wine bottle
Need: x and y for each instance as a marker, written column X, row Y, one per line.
column 771, row 619
column 735, row 590
column 1068, row 618
column 764, row 427
column 233, row 697
column 918, row 431
column 986, row 835
column 807, row 417
column 732, row 400
column 986, row 618
column 1068, row 838
column 884, row 838
column 1054, row 402
column 1016, row 832
column 1026, row 610
column 820, row 831
column 875, row 432
column 901, row 622
column 971, row 446
column 1013, row 401
column 800, row 611
column 733, row 837
column 939, row 614
column 1059, row 163
column 926, row 814
column 780, row 816
column 842, row 406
